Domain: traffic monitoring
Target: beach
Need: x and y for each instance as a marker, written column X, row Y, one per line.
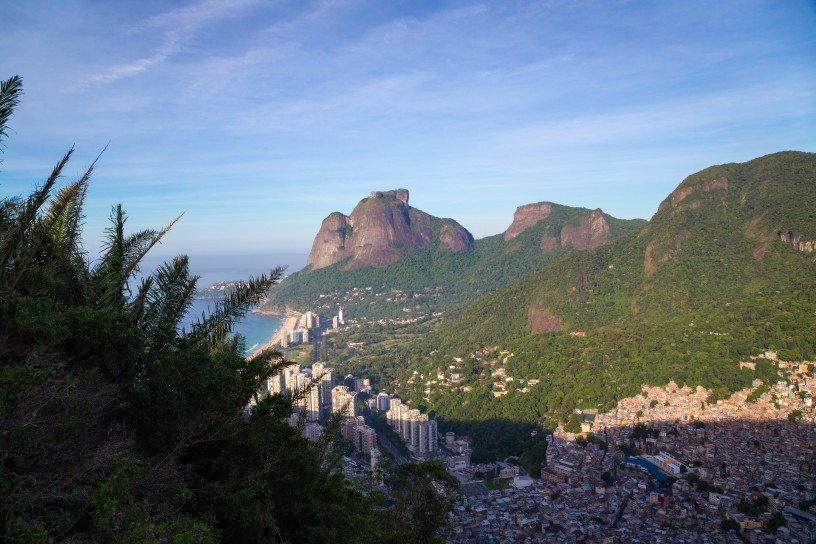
column 288, row 324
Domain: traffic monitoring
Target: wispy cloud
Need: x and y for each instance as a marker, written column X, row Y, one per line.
column 177, row 27
column 664, row 119
column 303, row 106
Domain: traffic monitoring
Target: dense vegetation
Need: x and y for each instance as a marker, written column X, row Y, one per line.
column 116, row 427
column 434, row 280
column 708, row 282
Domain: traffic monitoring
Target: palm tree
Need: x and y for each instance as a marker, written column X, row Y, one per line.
column 10, row 92
column 41, row 255
column 107, row 407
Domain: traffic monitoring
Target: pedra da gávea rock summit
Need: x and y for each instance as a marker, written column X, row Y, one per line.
column 382, row 229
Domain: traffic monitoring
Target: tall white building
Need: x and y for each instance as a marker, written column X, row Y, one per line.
column 312, row 399
column 395, row 414
column 283, row 381
column 274, row 384
column 343, row 401
column 415, row 428
column 309, row 402
column 289, row 377
column 416, row 418
column 406, row 425
column 365, row 438
column 326, row 377
column 312, row 320
column 428, row 436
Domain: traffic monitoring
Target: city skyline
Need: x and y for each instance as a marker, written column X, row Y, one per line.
column 259, row 119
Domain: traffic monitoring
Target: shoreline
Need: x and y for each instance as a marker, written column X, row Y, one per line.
column 269, row 312
column 289, row 323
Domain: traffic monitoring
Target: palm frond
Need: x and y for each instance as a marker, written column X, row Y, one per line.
column 10, row 91
column 56, row 219
column 121, row 258
column 137, row 305
column 64, row 215
column 136, row 251
column 108, row 279
column 134, row 246
column 166, row 301
column 232, row 308
column 19, row 243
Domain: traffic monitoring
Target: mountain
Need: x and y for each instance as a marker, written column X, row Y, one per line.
column 382, row 229
column 587, row 231
column 734, row 231
column 725, row 270
column 403, row 254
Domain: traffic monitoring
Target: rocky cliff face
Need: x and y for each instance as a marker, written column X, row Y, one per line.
column 525, row 217
column 382, row 229
column 590, row 232
column 585, row 230
column 796, row 241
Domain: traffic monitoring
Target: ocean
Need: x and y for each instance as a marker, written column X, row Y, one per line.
column 256, row 329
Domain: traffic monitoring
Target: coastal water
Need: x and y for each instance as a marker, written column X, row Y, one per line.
column 256, row 329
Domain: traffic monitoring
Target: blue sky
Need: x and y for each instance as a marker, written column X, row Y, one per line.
column 258, row 118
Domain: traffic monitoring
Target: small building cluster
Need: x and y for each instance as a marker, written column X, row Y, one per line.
column 307, row 327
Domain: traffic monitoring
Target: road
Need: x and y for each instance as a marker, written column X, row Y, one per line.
column 318, row 340
column 386, row 444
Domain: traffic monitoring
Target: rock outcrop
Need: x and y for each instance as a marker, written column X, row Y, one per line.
column 525, row 217
column 684, row 191
column 582, row 230
column 591, row 231
column 382, row 229
column 796, row 242
column 455, row 238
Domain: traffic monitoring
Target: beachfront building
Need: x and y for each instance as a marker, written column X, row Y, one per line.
column 311, row 320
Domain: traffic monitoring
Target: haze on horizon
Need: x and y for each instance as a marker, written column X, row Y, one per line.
column 260, row 118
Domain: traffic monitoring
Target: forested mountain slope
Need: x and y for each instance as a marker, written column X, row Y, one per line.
column 731, row 246
column 726, row 269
